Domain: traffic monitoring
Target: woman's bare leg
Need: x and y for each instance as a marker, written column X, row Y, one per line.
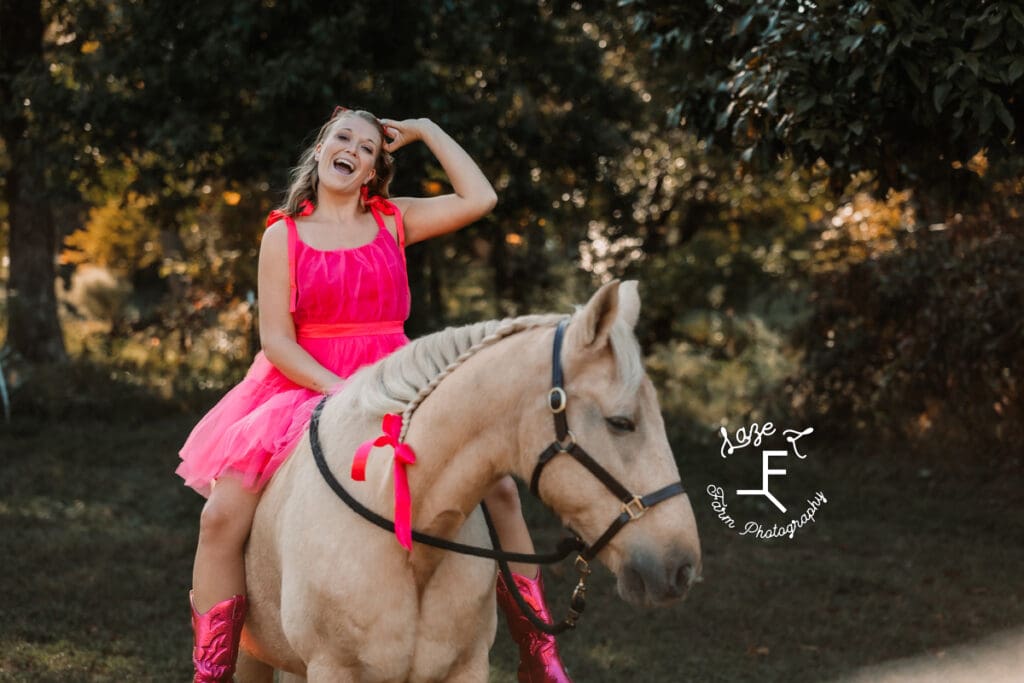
column 219, row 569
column 507, row 514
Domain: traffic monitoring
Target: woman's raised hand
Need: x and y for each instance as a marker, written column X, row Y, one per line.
column 472, row 196
column 401, row 133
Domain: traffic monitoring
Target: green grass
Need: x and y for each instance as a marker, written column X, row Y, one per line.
column 97, row 536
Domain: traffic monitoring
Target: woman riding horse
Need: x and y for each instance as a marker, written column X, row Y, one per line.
column 333, row 296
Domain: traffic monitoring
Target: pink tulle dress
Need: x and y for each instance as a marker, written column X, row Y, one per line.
column 349, row 306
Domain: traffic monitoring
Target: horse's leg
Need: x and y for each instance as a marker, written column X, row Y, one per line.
column 474, row 668
column 252, row 670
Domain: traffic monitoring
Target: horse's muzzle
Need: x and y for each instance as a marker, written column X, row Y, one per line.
column 653, row 580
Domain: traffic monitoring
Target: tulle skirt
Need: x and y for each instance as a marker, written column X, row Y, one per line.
column 258, row 423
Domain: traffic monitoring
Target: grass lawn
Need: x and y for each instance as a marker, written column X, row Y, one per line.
column 97, row 539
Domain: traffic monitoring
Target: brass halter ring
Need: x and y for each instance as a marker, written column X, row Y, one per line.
column 568, row 443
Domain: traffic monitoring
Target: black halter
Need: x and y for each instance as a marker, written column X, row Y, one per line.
column 633, row 507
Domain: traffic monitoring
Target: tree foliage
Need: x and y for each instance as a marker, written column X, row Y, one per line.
column 157, row 136
column 916, row 332
column 202, row 102
column 910, row 90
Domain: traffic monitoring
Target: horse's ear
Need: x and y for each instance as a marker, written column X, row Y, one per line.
column 629, row 303
column 591, row 325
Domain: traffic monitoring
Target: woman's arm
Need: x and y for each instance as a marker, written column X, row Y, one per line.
column 277, row 330
column 426, row 217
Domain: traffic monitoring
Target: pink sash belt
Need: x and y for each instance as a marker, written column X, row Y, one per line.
column 328, row 330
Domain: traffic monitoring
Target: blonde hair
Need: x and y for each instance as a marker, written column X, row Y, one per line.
column 304, row 178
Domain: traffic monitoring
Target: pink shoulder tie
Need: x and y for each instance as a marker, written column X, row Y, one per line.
column 378, row 204
column 404, row 455
column 305, row 208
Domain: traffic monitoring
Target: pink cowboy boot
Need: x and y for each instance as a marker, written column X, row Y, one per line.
column 216, row 639
column 538, row 655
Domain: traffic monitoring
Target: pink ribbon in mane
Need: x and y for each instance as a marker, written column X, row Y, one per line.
column 404, row 455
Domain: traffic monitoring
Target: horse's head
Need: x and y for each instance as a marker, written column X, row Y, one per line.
column 612, row 411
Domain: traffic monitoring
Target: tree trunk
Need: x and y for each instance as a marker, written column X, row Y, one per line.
column 33, row 330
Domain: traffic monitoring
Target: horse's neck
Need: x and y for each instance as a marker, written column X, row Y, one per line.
column 466, row 432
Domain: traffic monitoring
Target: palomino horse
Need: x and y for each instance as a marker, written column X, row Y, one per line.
column 334, row 598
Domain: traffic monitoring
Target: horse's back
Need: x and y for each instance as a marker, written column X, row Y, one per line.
column 329, row 590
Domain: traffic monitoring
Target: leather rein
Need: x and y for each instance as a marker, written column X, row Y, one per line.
column 633, row 506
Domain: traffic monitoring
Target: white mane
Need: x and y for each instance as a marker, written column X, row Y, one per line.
column 400, row 381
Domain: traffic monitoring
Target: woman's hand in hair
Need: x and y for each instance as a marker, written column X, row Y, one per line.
column 401, row 133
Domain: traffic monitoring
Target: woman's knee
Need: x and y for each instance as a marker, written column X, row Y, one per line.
column 227, row 516
column 504, row 496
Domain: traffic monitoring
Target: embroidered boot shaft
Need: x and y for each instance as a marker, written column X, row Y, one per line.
column 538, row 654
column 216, row 634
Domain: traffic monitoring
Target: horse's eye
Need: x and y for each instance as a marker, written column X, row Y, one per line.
column 621, row 424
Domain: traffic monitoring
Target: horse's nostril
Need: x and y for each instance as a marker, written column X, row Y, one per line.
column 683, row 577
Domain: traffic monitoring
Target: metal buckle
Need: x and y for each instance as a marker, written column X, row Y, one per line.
column 557, row 400
column 578, row 601
column 634, row 508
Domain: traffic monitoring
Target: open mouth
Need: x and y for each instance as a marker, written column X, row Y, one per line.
column 344, row 166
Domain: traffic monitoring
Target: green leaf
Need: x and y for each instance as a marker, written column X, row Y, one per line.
column 1003, row 114
column 987, row 36
column 916, row 77
column 805, row 104
column 1017, row 13
column 1016, row 70
column 971, row 60
column 985, row 117
column 850, row 43
column 741, row 25
column 940, row 94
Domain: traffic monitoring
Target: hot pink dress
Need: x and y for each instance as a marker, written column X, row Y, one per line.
column 348, row 306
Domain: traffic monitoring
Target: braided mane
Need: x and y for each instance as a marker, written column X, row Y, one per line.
column 402, row 380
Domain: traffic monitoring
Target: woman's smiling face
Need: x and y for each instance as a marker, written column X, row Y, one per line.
column 348, row 153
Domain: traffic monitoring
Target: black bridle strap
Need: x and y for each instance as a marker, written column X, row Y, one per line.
column 577, row 605
column 557, row 389
column 548, row 453
column 565, row 547
column 650, row 500
column 603, row 475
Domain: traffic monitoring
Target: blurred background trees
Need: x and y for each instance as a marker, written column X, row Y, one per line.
column 911, row 111
column 821, row 200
